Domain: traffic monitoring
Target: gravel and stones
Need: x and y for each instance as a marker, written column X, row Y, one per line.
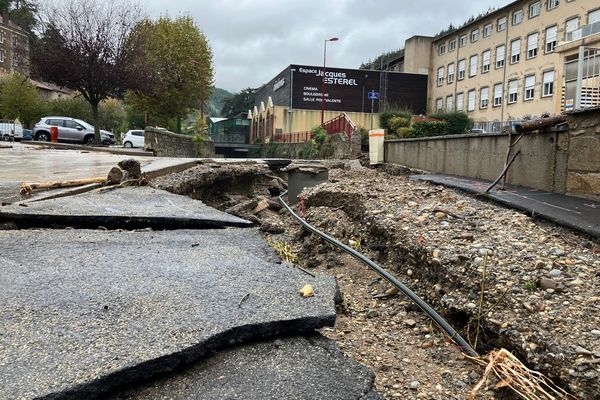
column 83, row 310
column 288, row 368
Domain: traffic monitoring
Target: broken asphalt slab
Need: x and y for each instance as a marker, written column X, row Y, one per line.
column 573, row 212
column 289, row 368
column 129, row 207
column 85, row 311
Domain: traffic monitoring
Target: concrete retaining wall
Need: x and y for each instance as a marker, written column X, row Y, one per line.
column 555, row 161
column 583, row 168
column 168, row 144
column 336, row 147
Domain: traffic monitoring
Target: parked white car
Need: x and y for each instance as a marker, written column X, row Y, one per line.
column 134, row 138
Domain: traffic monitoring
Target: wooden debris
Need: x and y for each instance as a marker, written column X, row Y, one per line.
column 28, row 188
column 541, row 123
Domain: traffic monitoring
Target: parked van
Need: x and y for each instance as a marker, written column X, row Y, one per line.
column 11, row 130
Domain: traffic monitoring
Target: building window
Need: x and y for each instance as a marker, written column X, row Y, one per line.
column 485, row 61
column 517, row 17
column 571, row 25
column 449, row 105
column 497, row 95
column 1, row 56
column 500, row 52
column 551, row 38
column 460, row 101
column 532, row 45
column 15, row 41
column 515, row 51
column 552, row 4
column 1, row 36
column 593, row 16
column 487, row 30
column 441, row 49
column 452, row 45
column 529, row 87
column 471, row 101
column 461, row 69
column 501, row 24
column 440, row 76
column 548, row 84
column 534, row 9
column 462, row 41
column 512, row 91
column 484, row 97
column 15, row 62
column 450, row 72
column 439, row 104
column 474, row 35
column 473, row 65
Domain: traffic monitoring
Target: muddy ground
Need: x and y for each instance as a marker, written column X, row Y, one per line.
column 502, row 278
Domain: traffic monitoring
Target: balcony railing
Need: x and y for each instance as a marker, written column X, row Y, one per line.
column 584, row 31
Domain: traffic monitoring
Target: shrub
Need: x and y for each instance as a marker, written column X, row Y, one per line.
column 319, row 133
column 405, row 132
column 384, row 118
column 457, row 122
column 429, row 128
column 398, row 122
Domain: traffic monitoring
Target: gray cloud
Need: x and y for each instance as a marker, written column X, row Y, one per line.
column 252, row 40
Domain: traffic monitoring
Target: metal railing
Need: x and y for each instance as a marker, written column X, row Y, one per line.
column 294, row 137
column 340, row 124
column 584, row 31
column 495, row 126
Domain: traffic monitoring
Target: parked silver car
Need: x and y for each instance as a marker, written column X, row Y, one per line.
column 69, row 130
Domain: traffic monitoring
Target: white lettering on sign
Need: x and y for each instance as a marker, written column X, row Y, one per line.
column 331, row 77
column 279, row 84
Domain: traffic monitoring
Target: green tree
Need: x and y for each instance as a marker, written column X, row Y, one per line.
column 180, row 61
column 240, row 102
column 20, row 99
column 75, row 107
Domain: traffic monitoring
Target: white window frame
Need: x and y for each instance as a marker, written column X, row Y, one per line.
column 551, row 4
column 473, row 63
column 500, row 61
column 461, row 69
column 498, row 89
column 515, row 51
column 439, row 104
column 513, row 91
column 572, row 28
column 449, row 103
column 485, row 61
column 452, row 45
column 460, row 101
column 462, row 41
column 2, row 35
column 2, row 55
column 548, row 84
column 535, row 9
column 487, row 30
column 440, row 76
column 471, row 100
column 551, row 36
column 450, row 70
column 484, row 97
column 529, row 88
column 474, row 35
column 501, row 24
column 532, row 45
column 517, row 17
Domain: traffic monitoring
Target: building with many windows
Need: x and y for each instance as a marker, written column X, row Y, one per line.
column 14, row 48
column 518, row 61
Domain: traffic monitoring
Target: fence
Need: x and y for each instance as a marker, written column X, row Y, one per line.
column 340, row 124
column 495, row 126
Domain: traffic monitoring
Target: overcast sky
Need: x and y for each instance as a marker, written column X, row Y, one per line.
column 254, row 40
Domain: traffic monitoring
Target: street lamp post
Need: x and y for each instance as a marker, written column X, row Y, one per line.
column 201, row 90
column 333, row 39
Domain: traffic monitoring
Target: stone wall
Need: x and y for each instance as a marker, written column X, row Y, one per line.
column 583, row 166
column 336, row 147
column 168, row 144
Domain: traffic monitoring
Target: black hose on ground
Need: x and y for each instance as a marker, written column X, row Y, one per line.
column 441, row 322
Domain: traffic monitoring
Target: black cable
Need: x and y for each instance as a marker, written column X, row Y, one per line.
column 441, row 322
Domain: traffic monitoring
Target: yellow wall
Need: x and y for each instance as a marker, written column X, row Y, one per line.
column 304, row 120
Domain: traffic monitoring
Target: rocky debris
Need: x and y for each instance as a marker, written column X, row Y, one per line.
column 132, row 169
column 289, row 368
column 115, row 175
column 75, row 324
column 541, row 286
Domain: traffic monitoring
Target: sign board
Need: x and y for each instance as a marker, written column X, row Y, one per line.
column 373, row 95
